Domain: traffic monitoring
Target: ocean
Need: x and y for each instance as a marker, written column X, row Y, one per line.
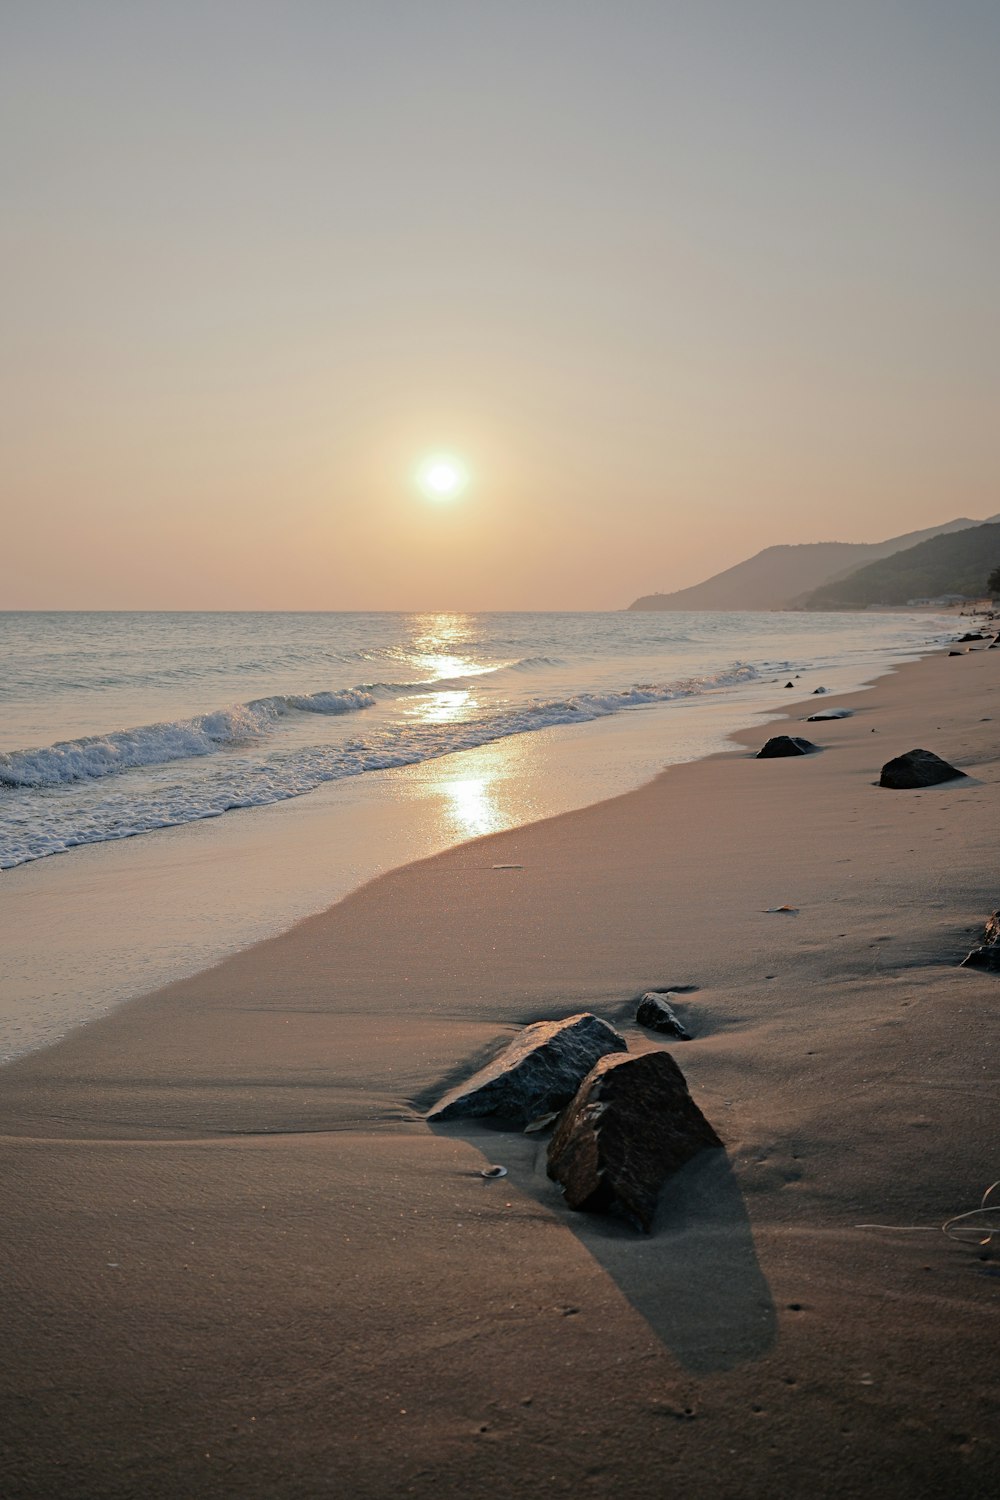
column 114, row 725
column 176, row 787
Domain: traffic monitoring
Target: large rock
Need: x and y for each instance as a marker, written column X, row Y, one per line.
column 538, row 1072
column 992, row 933
column 917, row 768
column 630, row 1127
column 658, row 1015
column 785, row 744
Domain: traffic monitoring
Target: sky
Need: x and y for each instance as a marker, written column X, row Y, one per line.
column 674, row 279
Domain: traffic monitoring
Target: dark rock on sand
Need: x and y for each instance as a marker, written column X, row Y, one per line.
column 820, row 690
column 789, row 684
column 957, row 653
column 654, row 1012
column 986, row 957
column 630, row 1127
column 539, row 1071
column 785, row 744
column 917, row 768
column 829, row 713
column 971, row 635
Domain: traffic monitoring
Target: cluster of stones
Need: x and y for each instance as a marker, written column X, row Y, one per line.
column 917, row 768
column 627, row 1123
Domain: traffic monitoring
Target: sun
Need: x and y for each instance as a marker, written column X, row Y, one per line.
column 442, row 477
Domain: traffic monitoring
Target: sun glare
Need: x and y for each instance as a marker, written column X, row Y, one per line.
column 441, row 477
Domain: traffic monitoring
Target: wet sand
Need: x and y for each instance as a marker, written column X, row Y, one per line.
column 238, row 1262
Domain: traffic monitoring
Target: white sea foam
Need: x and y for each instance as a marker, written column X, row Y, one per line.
column 77, row 812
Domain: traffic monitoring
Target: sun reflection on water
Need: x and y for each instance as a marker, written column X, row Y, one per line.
column 438, row 642
column 449, row 707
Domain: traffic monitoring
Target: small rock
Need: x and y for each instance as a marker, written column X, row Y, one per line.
column 789, row 684
column 785, row 744
column 539, row 1071
column 917, row 768
column 630, row 1127
column 829, row 713
column 820, row 690
column 957, row 653
column 971, row 635
column 986, row 957
column 654, row 1012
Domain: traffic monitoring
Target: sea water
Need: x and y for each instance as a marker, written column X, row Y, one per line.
column 112, row 725
column 175, row 786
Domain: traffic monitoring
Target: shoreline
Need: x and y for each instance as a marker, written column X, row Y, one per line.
column 231, row 1227
column 104, row 924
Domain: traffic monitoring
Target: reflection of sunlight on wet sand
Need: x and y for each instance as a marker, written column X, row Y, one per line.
column 471, row 808
column 479, row 791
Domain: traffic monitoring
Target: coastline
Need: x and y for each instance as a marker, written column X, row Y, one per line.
column 241, row 1263
column 102, row 924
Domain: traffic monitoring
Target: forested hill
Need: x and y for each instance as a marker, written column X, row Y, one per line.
column 780, row 576
column 959, row 563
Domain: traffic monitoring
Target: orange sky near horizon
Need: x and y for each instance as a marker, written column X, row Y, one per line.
column 673, row 281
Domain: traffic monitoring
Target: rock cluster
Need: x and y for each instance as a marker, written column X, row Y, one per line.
column 627, row 1121
column 917, row 768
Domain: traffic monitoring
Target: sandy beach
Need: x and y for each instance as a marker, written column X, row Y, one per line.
column 238, row 1261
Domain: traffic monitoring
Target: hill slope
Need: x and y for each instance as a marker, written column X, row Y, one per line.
column 959, row 563
column 779, row 576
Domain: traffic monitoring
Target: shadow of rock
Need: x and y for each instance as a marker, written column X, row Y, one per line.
column 696, row 1279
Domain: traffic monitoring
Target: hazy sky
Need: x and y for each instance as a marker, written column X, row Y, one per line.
column 675, row 278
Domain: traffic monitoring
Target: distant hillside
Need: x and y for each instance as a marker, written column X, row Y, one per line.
column 779, row 576
column 958, row 563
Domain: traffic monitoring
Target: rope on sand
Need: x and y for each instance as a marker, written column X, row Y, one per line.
column 960, row 1227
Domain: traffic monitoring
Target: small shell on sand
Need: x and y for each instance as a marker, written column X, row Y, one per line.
column 493, row 1172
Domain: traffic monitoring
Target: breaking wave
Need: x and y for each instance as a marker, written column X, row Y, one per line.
column 78, row 810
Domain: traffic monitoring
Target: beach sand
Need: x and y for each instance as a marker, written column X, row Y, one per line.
column 239, row 1263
